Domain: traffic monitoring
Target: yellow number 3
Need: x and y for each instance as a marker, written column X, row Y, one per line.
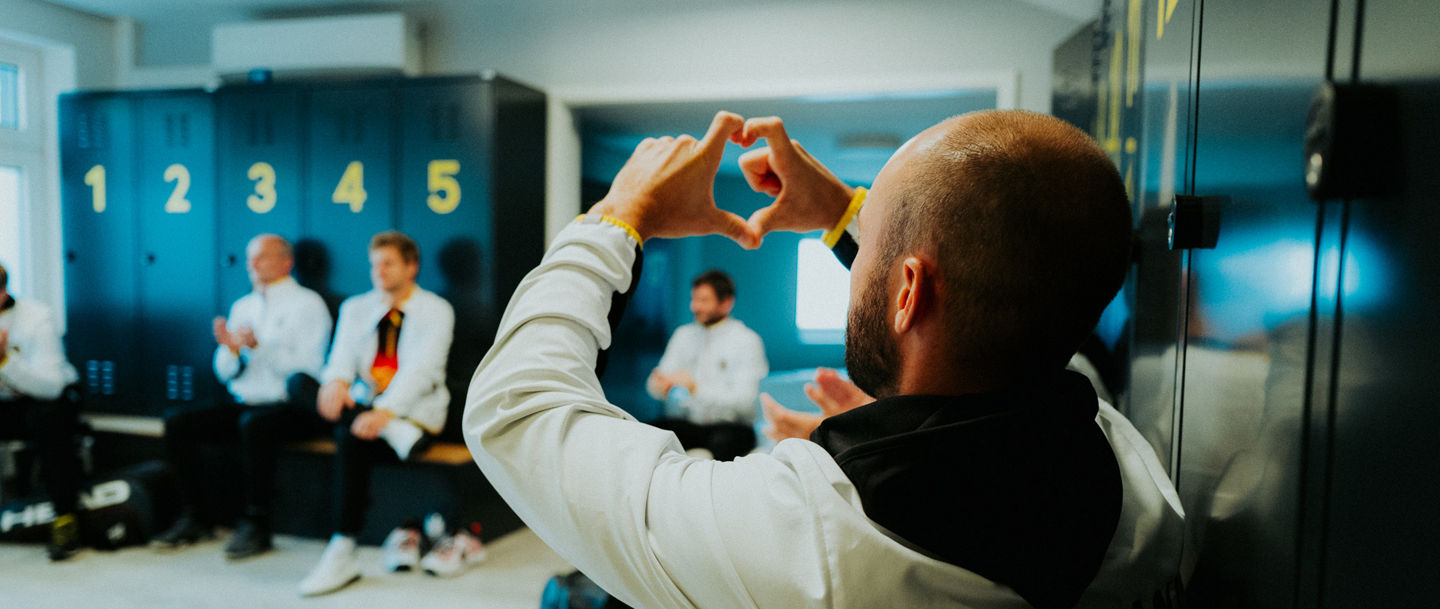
column 444, row 189
column 264, row 198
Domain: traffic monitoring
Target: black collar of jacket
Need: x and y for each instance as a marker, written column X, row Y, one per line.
column 1019, row 486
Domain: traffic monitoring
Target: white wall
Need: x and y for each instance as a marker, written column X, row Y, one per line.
column 91, row 37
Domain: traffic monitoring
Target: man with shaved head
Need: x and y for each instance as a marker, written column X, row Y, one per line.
column 278, row 331
column 983, row 475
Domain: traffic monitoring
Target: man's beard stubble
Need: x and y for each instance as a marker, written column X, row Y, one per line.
column 870, row 354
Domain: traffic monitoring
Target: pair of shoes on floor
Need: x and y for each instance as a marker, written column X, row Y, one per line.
column 186, row 530
column 455, row 552
column 64, row 537
column 252, row 537
column 339, row 566
column 407, row 547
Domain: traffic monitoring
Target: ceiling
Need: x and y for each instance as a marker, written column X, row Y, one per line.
column 151, row 9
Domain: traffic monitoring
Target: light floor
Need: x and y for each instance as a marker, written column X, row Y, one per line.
column 199, row 577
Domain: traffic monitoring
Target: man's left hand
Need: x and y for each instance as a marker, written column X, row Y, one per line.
column 667, row 188
column 368, row 424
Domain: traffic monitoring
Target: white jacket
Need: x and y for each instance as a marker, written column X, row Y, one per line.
column 622, row 502
column 292, row 330
column 417, row 392
column 35, row 365
column 727, row 361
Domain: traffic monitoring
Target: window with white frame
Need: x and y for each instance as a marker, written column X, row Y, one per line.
column 22, row 138
column 822, row 294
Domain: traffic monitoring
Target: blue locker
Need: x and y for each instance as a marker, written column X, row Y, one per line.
column 351, row 185
column 98, row 205
column 258, row 175
column 471, row 184
column 175, row 181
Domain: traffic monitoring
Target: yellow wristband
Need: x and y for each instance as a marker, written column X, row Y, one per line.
column 625, row 226
column 832, row 236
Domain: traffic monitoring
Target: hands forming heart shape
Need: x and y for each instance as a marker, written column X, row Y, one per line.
column 667, row 188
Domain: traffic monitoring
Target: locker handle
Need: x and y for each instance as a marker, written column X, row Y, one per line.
column 1195, row 222
column 148, row 259
column 229, row 261
column 71, row 256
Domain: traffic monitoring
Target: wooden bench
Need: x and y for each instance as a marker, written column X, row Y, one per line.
column 443, row 478
column 440, row 453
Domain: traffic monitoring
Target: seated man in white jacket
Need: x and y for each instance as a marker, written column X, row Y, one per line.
column 277, row 331
column 710, row 373
column 984, row 475
column 34, row 404
column 384, row 387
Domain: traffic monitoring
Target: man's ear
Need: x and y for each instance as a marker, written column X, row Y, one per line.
column 727, row 305
column 913, row 301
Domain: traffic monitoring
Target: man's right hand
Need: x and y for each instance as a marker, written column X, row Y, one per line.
column 807, row 196
column 334, row 399
column 222, row 335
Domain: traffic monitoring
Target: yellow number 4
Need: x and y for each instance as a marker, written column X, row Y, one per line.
column 351, row 188
column 444, row 189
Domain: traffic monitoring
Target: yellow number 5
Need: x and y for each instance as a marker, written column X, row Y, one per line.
column 177, row 203
column 351, row 188
column 444, row 189
column 264, row 198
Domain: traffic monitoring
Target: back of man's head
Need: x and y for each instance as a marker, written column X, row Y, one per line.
column 719, row 281
column 1030, row 225
column 4, row 278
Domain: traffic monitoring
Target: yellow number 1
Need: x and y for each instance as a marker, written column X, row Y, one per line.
column 444, row 189
column 264, row 198
column 351, row 188
column 95, row 179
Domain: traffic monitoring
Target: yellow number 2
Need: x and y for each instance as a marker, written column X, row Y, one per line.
column 95, row 179
column 264, row 198
column 444, row 189
column 351, row 188
column 177, row 203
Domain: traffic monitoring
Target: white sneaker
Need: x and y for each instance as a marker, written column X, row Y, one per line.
column 339, row 566
column 456, row 553
column 401, row 550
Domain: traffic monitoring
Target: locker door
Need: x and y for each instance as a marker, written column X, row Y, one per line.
column 98, row 207
column 446, row 205
column 351, row 190
column 175, row 177
column 1378, row 548
column 1247, row 317
column 258, row 175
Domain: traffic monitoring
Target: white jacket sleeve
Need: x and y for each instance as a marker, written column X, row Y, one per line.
column 669, row 361
column 341, row 363
column 35, row 365
column 615, row 497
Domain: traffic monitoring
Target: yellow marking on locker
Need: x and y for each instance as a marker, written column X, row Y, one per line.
column 264, row 198
column 177, row 203
column 95, row 179
column 351, row 188
column 1132, row 63
column 444, row 188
